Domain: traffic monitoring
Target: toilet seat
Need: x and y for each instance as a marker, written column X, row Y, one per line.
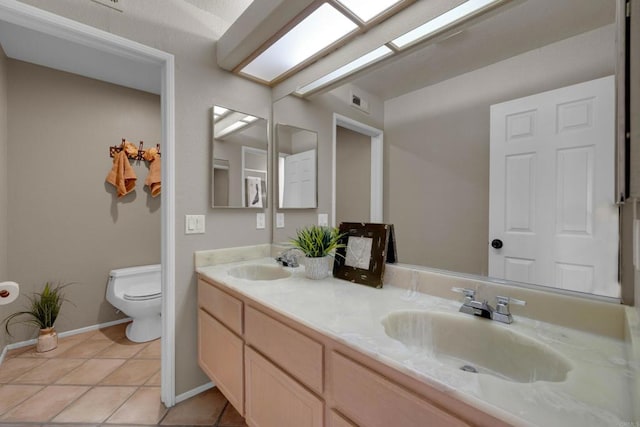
column 142, row 292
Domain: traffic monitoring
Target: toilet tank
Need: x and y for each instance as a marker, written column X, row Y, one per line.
column 144, row 278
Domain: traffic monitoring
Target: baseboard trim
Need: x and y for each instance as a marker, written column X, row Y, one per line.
column 189, row 394
column 62, row 335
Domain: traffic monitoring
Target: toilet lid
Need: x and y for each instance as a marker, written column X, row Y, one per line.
column 143, row 291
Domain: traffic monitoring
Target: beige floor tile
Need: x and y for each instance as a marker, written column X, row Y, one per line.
column 18, row 351
column 95, row 406
column 155, row 380
column 45, row 404
column 132, row 372
column 12, row 394
column 49, row 371
column 144, row 407
column 203, row 409
column 13, row 368
column 231, row 418
column 91, row 372
column 64, row 344
column 122, row 349
column 112, row 333
column 151, row 351
column 86, row 349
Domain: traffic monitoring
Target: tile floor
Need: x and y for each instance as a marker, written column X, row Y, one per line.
column 99, row 378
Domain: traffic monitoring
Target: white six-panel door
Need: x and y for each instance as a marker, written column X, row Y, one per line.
column 552, row 189
column 300, row 180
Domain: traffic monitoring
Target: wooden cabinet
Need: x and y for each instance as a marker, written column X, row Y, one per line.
column 373, row 401
column 298, row 354
column 221, row 305
column 274, row 399
column 220, row 355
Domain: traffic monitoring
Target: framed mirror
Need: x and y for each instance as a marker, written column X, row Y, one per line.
column 297, row 177
column 239, row 167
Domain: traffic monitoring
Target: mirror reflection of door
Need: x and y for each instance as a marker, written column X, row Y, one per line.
column 220, row 182
column 353, row 176
column 552, row 189
column 297, row 167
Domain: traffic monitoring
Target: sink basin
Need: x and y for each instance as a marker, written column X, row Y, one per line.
column 477, row 345
column 259, row 272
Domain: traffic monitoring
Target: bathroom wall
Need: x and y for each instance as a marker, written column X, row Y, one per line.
column 316, row 115
column 66, row 223
column 188, row 33
column 353, row 172
column 4, row 309
column 438, row 136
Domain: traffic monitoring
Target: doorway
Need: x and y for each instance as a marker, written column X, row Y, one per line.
column 375, row 137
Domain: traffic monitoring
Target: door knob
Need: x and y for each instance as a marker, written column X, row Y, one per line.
column 496, row 243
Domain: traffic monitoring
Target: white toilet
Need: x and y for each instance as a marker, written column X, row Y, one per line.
column 136, row 291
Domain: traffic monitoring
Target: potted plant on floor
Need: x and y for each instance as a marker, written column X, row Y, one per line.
column 43, row 311
column 318, row 244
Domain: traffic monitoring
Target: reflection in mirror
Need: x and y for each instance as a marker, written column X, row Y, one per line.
column 239, row 166
column 438, row 173
column 297, row 167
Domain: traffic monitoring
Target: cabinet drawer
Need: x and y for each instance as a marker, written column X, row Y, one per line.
column 274, row 399
column 371, row 400
column 223, row 306
column 220, row 355
column 296, row 353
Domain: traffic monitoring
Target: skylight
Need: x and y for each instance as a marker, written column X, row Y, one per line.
column 366, row 10
column 320, row 29
column 349, row 68
column 442, row 21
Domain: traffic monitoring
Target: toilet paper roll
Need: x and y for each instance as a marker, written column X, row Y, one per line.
column 9, row 292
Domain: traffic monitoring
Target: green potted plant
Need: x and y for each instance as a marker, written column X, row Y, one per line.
column 318, row 244
column 43, row 311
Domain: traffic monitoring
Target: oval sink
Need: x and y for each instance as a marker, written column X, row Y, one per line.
column 477, row 345
column 259, row 272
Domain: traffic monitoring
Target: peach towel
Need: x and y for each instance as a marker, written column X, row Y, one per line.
column 122, row 175
column 154, row 177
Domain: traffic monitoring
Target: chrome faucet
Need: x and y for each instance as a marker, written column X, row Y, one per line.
column 482, row 308
column 288, row 258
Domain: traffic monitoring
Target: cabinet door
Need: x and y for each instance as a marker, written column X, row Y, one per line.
column 371, row 400
column 274, row 399
column 220, row 355
column 223, row 306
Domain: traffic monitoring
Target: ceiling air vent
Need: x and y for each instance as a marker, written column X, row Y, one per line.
column 358, row 102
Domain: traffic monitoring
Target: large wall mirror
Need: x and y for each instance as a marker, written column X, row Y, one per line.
column 297, row 175
column 438, row 174
column 239, row 174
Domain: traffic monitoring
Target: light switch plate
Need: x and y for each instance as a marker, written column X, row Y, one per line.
column 323, row 220
column 261, row 221
column 280, row 220
column 194, row 224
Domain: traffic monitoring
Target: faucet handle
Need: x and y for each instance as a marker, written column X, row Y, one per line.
column 503, row 303
column 469, row 294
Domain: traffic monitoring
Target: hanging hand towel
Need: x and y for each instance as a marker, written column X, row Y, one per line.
column 122, row 175
column 154, row 177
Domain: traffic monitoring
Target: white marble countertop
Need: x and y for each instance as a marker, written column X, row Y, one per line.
column 597, row 391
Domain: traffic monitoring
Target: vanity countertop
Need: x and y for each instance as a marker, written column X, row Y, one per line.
column 598, row 390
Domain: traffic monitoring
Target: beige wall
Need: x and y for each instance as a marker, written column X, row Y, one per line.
column 65, row 223
column 190, row 35
column 353, row 176
column 437, row 148
column 4, row 274
column 317, row 115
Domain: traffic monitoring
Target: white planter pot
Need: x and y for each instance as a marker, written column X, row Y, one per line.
column 317, row 268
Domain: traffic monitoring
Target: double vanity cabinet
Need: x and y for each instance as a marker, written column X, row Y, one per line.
column 278, row 372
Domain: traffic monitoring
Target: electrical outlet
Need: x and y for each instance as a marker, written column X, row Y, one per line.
column 280, row 220
column 323, row 220
column 261, row 221
column 194, row 224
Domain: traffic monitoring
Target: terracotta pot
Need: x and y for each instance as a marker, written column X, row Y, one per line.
column 316, row 268
column 47, row 340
